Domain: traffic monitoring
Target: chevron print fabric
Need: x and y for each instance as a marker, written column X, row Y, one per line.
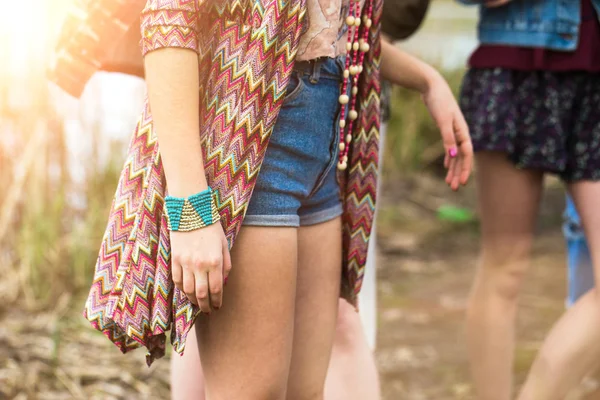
column 360, row 179
column 246, row 51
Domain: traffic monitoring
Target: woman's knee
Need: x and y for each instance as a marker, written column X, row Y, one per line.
column 348, row 327
column 504, row 271
column 509, row 282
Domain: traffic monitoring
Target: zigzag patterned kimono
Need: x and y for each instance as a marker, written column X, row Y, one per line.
column 246, row 51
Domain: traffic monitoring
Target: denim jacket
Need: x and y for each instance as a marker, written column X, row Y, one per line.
column 550, row 24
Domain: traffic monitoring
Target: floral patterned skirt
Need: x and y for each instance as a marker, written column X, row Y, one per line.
column 542, row 120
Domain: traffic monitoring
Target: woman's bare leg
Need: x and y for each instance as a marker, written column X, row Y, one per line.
column 572, row 349
column 508, row 200
column 248, row 342
column 187, row 378
column 352, row 371
column 318, row 287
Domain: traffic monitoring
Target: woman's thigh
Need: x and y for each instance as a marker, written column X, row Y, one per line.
column 187, row 378
column 508, row 200
column 318, row 288
column 246, row 346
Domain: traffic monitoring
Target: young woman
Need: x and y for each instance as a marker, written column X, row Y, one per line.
column 279, row 145
column 352, row 373
column 531, row 98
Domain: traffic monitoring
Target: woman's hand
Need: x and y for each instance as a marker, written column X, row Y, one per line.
column 200, row 265
column 405, row 70
column 200, row 258
column 442, row 106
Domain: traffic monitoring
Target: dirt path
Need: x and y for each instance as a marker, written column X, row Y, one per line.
column 425, row 269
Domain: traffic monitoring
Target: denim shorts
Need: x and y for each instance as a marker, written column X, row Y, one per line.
column 297, row 184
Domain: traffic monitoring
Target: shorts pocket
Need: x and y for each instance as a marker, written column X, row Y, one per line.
column 333, row 152
column 294, row 88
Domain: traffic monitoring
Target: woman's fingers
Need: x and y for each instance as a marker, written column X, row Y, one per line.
column 448, row 139
column 215, row 286
column 465, row 148
column 453, row 165
column 455, row 184
column 201, row 294
column 189, row 284
column 226, row 260
column 200, row 259
column 450, row 170
column 177, row 273
column 446, row 160
column 203, row 283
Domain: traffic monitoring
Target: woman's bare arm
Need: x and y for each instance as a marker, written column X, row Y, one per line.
column 405, row 70
column 200, row 259
column 172, row 79
column 400, row 68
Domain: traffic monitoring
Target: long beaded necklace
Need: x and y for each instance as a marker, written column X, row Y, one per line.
column 357, row 46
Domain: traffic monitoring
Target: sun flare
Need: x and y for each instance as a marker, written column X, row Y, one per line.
column 27, row 31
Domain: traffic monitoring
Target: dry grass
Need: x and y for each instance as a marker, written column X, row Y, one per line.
column 54, row 355
column 47, row 242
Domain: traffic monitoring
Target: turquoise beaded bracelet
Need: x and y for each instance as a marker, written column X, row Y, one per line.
column 194, row 212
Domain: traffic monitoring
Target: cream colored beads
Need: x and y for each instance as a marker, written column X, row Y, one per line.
column 356, row 47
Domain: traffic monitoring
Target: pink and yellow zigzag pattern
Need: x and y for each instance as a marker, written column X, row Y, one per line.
column 133, row 300
column 246, row 51
column 360, row 179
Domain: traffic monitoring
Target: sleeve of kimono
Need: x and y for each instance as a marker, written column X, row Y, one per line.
column 170, row 23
